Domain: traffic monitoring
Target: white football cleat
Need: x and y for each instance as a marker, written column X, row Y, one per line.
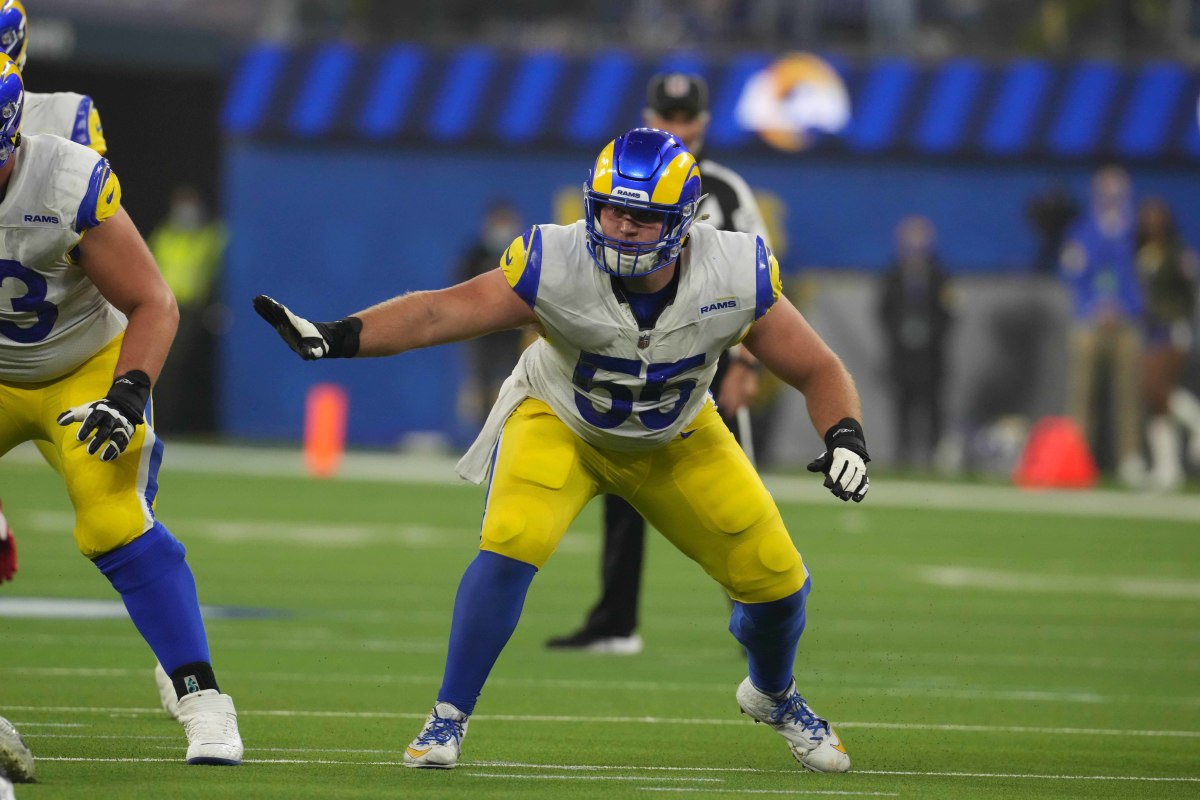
column 440, row 741
column 16, row 761
column 6, row 789
column 166, row 691
column 210, row 722
column 812, row 741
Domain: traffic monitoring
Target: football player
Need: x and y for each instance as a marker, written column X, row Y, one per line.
column 634, row 304
column 85, row 327
column 66, row 114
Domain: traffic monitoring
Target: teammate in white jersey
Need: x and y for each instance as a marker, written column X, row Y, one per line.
column 85, row 325
column 634, row 305
column 66, row 114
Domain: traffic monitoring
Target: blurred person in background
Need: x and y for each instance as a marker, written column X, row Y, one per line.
column 916, row 310
column 490, row 358
column 1050, row 212
column 676, row 103
column 1169, row 274
column 1098, row 266
column 189, row 247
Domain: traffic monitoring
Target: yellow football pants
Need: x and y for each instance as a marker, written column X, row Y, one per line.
column 699, row 490
column 113, row 501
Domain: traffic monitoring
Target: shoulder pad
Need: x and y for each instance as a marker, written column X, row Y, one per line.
column 522, row 264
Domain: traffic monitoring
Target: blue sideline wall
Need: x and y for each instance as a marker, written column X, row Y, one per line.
column 329, row 231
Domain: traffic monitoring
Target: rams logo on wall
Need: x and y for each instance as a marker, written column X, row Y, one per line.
column 793, row 98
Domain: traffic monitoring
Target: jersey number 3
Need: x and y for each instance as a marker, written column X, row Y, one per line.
column 656, row 385
column 33, row 301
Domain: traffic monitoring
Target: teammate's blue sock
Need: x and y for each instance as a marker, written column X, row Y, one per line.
column 160, row 594
column 770, row 633
column 486, row 609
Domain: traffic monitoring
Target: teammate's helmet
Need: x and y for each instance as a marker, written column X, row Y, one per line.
column 12, row 100
column 12, row 30
column 651, row 173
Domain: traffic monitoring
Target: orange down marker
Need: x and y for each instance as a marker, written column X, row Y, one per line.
column 325, row 429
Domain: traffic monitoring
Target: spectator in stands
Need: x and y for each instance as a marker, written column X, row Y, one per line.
column 491, row 358
column 915, row 308
column 1098, row 265
column 1169, row 273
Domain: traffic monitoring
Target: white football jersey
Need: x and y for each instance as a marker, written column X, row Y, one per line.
column 66, row 114
column 52, row 318
column 615, row 385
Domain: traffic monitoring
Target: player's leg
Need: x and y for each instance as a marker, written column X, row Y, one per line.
column 703, row 494
column 611, row 625
column 115, row 527
column 538, row 486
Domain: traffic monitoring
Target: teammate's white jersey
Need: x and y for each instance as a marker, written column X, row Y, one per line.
column 66, row 114
column 615, row 385
column 52, row 318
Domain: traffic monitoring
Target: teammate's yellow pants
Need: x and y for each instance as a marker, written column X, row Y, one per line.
column 114, row 501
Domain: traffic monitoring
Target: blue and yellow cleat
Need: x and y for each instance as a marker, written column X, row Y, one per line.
column 439, row 743
column 812, row 741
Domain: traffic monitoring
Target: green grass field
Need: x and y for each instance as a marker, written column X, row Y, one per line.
column 967, row 642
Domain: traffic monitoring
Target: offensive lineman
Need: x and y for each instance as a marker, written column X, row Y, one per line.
column 613, row 398
column 85, row 326
column 66, row 114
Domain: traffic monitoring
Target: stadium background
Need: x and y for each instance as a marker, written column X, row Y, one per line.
column 352, row 148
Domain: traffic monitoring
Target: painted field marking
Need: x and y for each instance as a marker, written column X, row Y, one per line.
column 1141, row 587
column 899, row 773
column 788, row 792
column 619, row 720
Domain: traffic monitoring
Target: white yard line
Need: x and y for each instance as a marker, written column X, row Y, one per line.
column 1078, row 696
column 632, row 768
column 430, row 469
column 619, row 720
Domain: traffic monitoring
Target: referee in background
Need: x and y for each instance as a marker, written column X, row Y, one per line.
column 677, row 103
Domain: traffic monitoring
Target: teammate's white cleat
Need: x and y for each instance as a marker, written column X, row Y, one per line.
column 440, row 741
column 210, row 721
column 16, row 762
column 812, row 741
column 166, row 691
column 6, row 789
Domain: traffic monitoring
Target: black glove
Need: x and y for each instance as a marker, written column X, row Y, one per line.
column 844, row 461
column 312, row 340
column 113, row 417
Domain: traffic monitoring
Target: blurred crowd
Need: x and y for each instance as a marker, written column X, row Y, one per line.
column 931, row 28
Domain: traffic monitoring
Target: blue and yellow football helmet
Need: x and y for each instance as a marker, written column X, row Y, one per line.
column 647, row 171
column 12, row 101
column 13, row 26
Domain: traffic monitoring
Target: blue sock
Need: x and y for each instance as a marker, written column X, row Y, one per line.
column 486, row 609
column 160, row 594
column 770, row 633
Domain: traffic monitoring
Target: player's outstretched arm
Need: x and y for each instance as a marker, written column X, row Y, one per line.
column 482, row 305
column 789, row 347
